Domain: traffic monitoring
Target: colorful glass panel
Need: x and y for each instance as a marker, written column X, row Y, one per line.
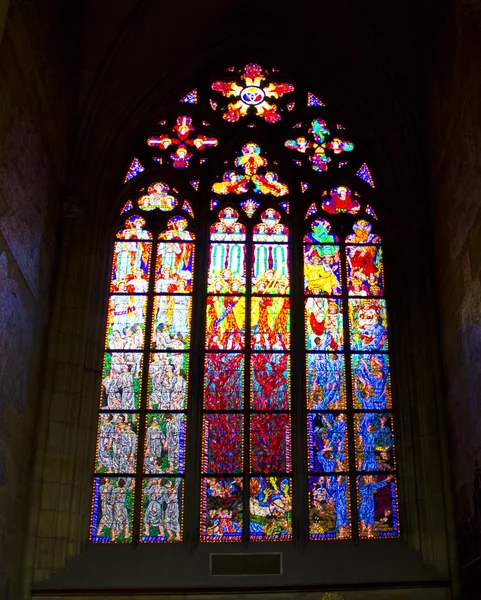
column 371, row 381
column 224, row 381
column 270, row 508
column 186, row 207
column 377, row 506
column 161, row 516
column 130, row 267
column 321, row 233
column 250, row 206
column 126, row 322
column 270, row 381
column 365, row 270
column 227, row 268
column 228, row 229
column 250, row 161
column 322, row 270
column 174, row 267
column 270, row 443
column 374, row 442
column 329, row 507
column 221, row 509
column 342, row 200
column 135, row 169
column 167, row 387
column 327, row 442
column 324, row 324
column 270, row 323
column 116, row 443
column 171, row 322
column 112, row 509
column 164, row 451
column 313, row 100
column 222, row 437
column 127, row 206
column 177, row 230
column 362, row 234
column 225, row 325
column 270, row 229
column 190, row 98
column 270, row 269
column 326, row 385
column 368, row 324
column 365, row 174
column 121, row 380
column 157, row 197
column 134, row 230
column 252, row 90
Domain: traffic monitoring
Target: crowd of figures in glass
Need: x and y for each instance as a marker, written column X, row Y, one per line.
column 248, row 241
column 348, row 273
column 142, row 420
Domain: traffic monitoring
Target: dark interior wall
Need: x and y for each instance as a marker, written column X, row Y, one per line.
column 33, row 133
column 455, row 147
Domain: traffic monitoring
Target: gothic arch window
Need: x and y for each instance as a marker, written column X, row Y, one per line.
column 250, row 386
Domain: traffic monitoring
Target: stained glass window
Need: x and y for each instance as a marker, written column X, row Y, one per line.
column 290, row 344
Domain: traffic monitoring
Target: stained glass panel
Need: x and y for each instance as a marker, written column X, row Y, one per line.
column 326, row 385
column 174, row 267
column 327, row 442
column 121, row 380
column 228, row 229
column 112, row 509
column 377, row 506
column 270, row 269
column 157, row 198
column 176, row 230
column 270, row 443
column 368, row 324
column 116, row 443
column 342, row 200
column 165, row 443
column 371, row 381
column 135, row 169
column 225, row 327
column 134, row 230
column 324, row 324
column 329, row 507
column 161, row 516
column 270, row 323
column 227, row 268
column 374, row 442
column 270, row 507
column 171, row 322
column 222, row 435
column 321, row 233
column 130, row 267
column 322, row 271
column 362, row 234
column 221, row 509
column 365, row 270
column 126, row 322
column 270, row 381
column 224, row 381
column 167, row 388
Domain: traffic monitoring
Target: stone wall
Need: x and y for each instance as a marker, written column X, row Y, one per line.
column 455, row 149
column 31, row 150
